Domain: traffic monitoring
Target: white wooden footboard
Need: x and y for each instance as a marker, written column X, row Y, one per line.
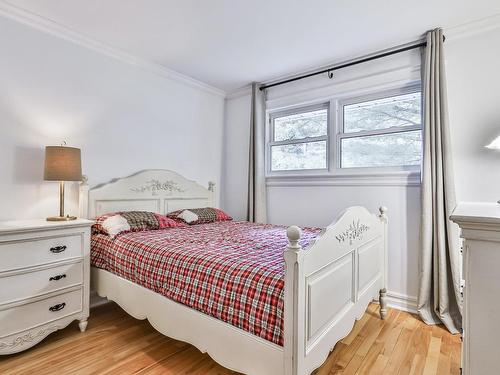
column 330, row 284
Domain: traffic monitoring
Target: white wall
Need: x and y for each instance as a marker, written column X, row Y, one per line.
column 474, row 101
column 473, row 70
column 123, row 117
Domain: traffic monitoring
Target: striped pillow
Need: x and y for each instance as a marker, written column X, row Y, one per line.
column 200, row 215
column 116, row 223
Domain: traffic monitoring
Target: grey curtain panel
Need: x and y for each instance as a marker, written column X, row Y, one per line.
column 439, row 292
column 257, row 200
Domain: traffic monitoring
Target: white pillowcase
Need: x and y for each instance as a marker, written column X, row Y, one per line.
column 188, row 216
column 115, row 225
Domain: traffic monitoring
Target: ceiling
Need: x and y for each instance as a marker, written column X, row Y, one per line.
column 229, row 43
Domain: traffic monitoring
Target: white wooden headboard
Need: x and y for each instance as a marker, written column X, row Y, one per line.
column 155, row 190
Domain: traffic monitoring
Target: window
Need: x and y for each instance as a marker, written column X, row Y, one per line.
column 299, row 139
column 381, row 132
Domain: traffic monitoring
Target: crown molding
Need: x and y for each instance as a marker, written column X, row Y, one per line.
column 471, row 28
column 49, row 26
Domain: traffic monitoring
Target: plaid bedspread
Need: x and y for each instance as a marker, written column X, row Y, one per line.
column 233, row 271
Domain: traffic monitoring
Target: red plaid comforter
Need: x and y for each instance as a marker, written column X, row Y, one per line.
column 233, row 271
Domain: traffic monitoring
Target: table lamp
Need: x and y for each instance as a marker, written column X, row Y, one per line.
column 495, row 144
column 62, row 164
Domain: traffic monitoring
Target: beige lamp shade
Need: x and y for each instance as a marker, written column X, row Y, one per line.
column 62, row 164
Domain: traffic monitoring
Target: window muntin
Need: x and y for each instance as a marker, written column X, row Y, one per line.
column 299, row 139
column 381, row 132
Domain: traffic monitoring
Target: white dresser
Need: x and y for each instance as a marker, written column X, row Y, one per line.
column 44, row 279
column 480, row 227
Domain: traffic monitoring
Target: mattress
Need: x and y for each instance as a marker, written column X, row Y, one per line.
column 232, row 271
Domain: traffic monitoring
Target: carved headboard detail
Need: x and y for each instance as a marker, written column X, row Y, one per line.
column 156, row 190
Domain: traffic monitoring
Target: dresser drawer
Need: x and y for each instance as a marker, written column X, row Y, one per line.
column 31, row 252
column 29, row 284
column 30, row 315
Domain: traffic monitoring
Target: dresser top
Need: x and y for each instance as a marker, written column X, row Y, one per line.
column 13, row 226
column 476, row 212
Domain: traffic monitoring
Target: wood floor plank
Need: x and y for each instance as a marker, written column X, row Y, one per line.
column 401, row 348
column 414, row 359
column 375, row 353
column 432, row 360
column 116, row 343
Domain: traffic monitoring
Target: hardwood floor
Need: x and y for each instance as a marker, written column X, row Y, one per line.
column 116, row 343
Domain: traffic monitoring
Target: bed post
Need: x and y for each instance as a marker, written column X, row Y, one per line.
column 385, row 260
column 83, row 198
column 293, row 315
column 211, row 188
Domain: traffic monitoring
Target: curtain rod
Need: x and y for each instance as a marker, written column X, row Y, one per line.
column 345, row 65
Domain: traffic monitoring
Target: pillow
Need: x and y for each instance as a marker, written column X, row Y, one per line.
column 200, row 215
column 115, row 223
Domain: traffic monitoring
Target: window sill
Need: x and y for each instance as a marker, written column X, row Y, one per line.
column 399, row 178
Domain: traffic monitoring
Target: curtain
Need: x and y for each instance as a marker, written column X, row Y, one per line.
column 256, row 201
column 439, row 289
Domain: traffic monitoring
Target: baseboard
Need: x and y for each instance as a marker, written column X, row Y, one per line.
column 402, row 302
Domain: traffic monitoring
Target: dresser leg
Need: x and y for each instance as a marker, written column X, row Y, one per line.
column 82, row 324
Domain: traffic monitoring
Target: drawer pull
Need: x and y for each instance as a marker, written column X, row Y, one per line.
column 58, row 249
column 57, row 307
column 57, row 277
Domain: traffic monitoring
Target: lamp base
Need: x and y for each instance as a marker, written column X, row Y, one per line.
column 61, row 218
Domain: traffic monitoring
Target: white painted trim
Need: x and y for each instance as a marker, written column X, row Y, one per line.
column 402, row 302
column 44, row 24
column 375, row 179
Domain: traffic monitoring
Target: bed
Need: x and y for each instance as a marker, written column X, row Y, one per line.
column 311, row 284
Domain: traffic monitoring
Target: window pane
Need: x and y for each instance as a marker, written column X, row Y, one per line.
column 402, row 110
column 387, row 150
column 301, row 125
column 308, row 155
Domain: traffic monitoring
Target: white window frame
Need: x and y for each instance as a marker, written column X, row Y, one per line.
column 334, row 174
column 270, row 140
column 340, row 135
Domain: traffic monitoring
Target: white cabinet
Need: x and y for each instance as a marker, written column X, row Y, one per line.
column 480, row 229
column 44, row 279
